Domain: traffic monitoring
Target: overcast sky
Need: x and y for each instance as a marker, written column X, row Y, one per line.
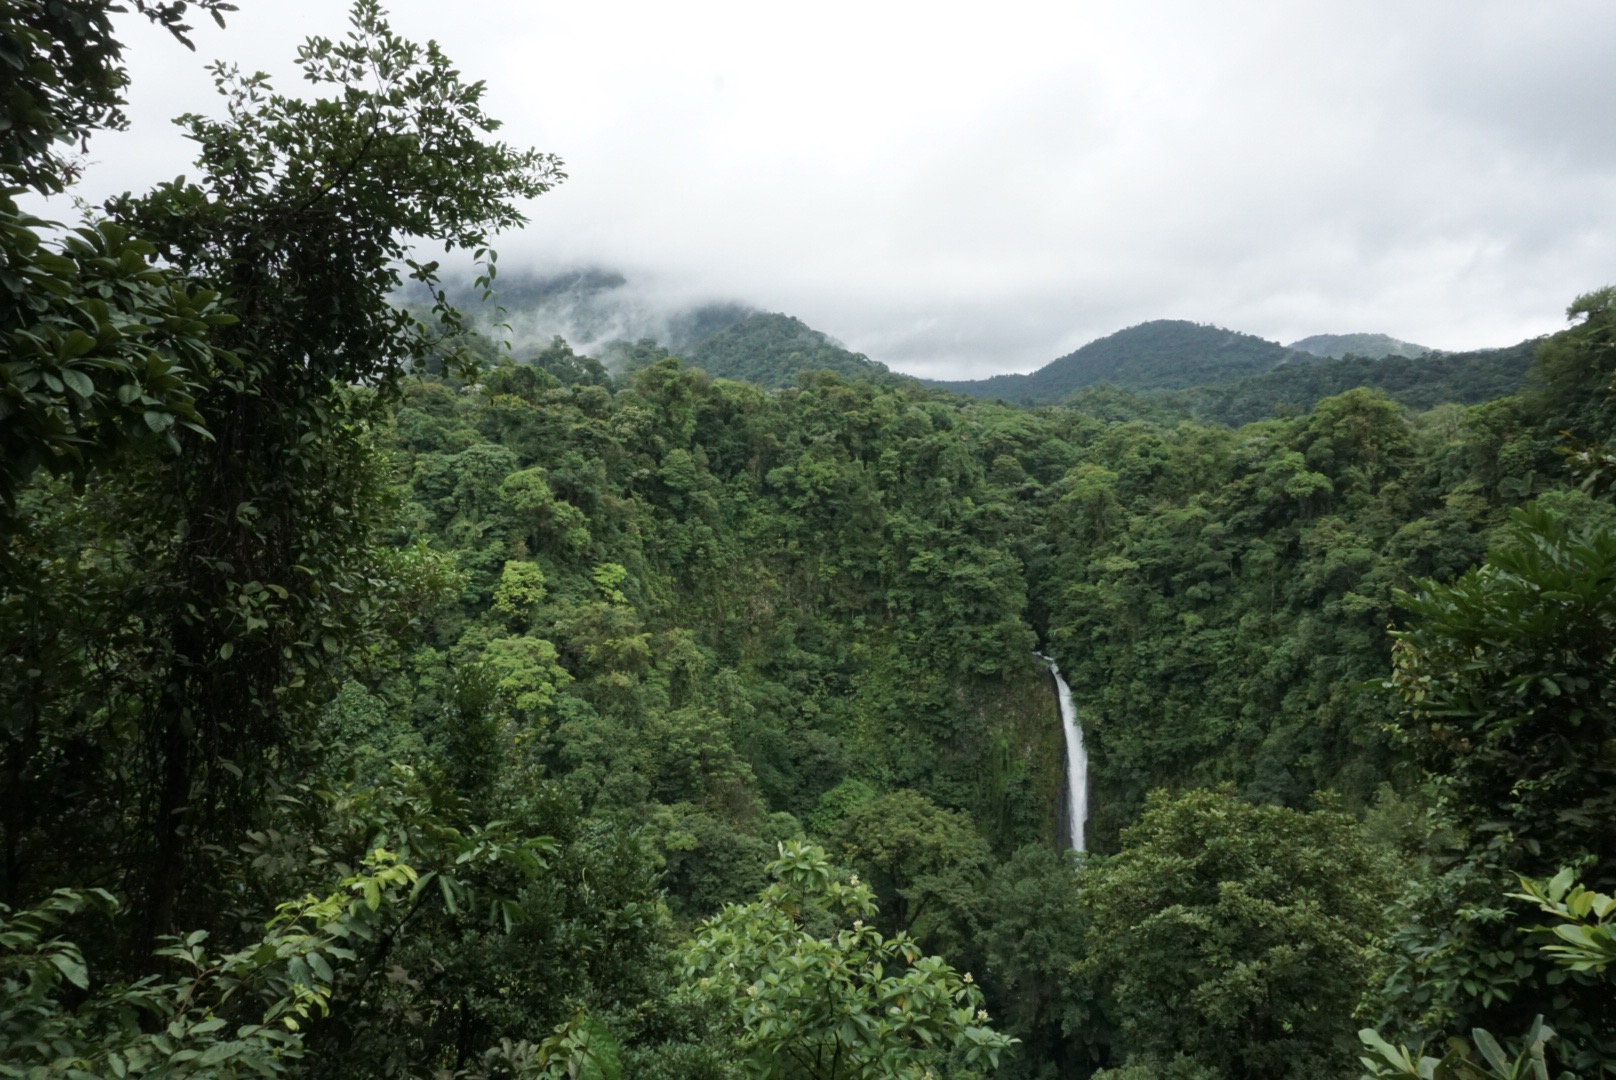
column 958, row 190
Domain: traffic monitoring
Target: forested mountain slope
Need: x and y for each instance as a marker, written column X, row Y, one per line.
column 1159, row 369
column 679, row 620
column 1166, row 354
column 863, row 569
column 590, row 307
column 374, row 706
column 772, row 349
column 1187, row 369
column 1373, row 346
column 1418, row 382
column 1341, row 506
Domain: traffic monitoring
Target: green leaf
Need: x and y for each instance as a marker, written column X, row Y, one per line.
column 75, row 345
column 78, row 382
column 1491, row 1051
column 72, row 968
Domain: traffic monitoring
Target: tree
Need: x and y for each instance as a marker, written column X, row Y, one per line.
column 1586, row 944
column 1240, row 936
column 1503, row 677
column 1575, row 368
column 304, row 215
column 807, row 996
column 102, row 351
column 927, row 865
column 1504, row 681
column 99, row 348
column 65, row 78
column 248, row 1011
column 1034, row 923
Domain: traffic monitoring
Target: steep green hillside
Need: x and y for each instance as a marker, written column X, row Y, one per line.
column 527, row 721
column 1373, row 346
column 772, row 349
column 1417, row 382
column 1167, row 354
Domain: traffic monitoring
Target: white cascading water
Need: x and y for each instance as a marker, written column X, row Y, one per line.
column 1077, row 758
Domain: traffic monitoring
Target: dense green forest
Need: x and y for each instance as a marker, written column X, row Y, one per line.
column 376, row 703
column 593, row 305
column 1169, row 370
column 1371, row 346
column 770, row 349
column 1166, row 354
column 1420, row 383
column 1131, row 374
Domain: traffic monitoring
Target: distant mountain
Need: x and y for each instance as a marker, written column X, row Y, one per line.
column 1373, row 346
column 1160, row 369
column 1168, row 354
column 771, row 349
column 1420, row 382
column 600, row 313
column 593, row 309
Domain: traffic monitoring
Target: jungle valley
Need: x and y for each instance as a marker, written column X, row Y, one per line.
column 379, row 701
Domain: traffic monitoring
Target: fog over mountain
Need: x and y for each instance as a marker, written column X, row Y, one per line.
column 960, row 197
column 1373, row 346
column 592, row 308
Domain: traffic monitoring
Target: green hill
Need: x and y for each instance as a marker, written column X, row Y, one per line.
column 1373, row 346
column 1418, row 382
column 771, row 349
column 1295, row 388
column 1166, row 354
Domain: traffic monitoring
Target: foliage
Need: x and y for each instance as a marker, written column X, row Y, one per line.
column 1482, row 1059
column 1179, row 1067
column 1424, row 382
column 1576, row 371
column 541, row 663
column 101, row 349
column 236, row 1014
column 800, row 621
column 570, row 369
column 1033, row 925
column 65, row 79
column 1161, row 355
column 1373, row 346
column 926, row 866
column 808, row 996
column 303, row 215
column 771, row 350
column 1586, row 944
column 1258, row 923
column 1504, row 683
column 1216, row 600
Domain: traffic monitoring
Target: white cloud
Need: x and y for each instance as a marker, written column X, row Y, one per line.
column 957, row 190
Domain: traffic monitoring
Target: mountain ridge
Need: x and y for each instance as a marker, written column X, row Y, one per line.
column 1194, row 369
column 1161, row 354
column 1369, row 346
column 772, row 348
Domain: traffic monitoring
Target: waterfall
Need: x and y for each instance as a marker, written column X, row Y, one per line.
column 1077, row 759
